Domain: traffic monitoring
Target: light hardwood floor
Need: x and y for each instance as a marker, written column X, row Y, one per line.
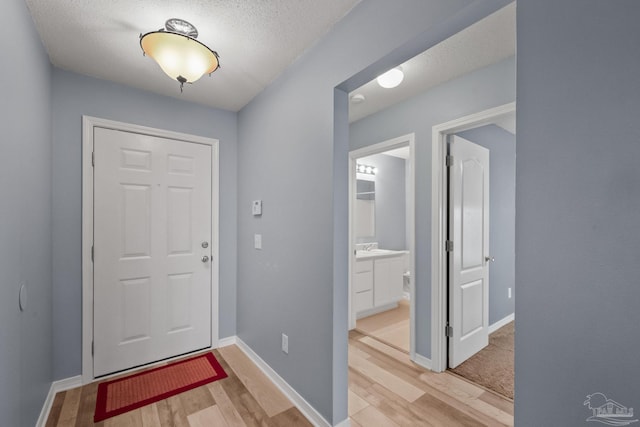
column 391, row 326
column 245, row 398
column 385, row 389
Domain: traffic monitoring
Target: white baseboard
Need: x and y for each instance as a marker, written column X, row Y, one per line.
column 225, row 342
column 345, row 423
column 375, row 310
column 56, row 387
column 500, row 323
column 305, row 407
column 422, row 361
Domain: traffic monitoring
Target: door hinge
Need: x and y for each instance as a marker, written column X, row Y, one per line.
column 449, row 246
column 92, row 348
column 449, row 161
column 93, row 158
column 91, row 253
column 448, row 331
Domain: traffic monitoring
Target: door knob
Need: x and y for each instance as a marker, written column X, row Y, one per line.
column 488, row 258
column 205, row 258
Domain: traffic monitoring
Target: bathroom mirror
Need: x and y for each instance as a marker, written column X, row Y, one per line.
column 365, row 210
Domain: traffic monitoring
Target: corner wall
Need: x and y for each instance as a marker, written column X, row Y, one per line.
column 578, row 207
column 297, row 283
column 75, row 95
column 25, row 218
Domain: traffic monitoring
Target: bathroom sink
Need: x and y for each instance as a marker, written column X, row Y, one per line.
column 377, row 253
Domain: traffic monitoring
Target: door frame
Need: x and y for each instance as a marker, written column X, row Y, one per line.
column 88, row 125
column 381, row 147
column 439, row 219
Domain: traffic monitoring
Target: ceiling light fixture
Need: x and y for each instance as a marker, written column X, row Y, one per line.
column 391, row 78
column 179, row 54
column 358, row 98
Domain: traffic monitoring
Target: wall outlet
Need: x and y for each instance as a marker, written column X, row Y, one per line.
column 257, row 241
column 509, row 293
column 285, row 343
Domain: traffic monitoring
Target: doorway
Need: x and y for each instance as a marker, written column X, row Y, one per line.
column 382, row 244
column 150, row 246
column 478, row 264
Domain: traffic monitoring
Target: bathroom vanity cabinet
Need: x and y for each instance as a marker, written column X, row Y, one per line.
column 377, row 282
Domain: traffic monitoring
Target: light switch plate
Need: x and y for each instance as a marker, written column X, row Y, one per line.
column 257, row 241
column 256, row 207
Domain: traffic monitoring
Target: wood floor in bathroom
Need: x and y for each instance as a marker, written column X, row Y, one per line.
column 391, row 326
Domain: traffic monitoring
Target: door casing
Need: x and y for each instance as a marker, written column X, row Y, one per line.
column 88, row 125
column 439, row 219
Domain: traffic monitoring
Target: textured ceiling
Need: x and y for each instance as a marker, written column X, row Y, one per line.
column 256, row 40
column 488, row 41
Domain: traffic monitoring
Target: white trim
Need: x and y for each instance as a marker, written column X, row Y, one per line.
column 439, row 224
column 345, row 423
column 88, row 124
column 500, row 323
column 305, row 407
column 401, row 141
column 226, row 342
column 56, row 387
column 422, row 361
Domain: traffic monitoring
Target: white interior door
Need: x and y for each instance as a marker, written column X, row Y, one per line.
column 152, row 228
column 468, row 264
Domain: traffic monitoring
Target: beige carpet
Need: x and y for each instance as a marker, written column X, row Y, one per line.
column 492, row 367
column 390, row 327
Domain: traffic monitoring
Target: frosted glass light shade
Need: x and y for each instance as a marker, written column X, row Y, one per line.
column 391, row 78
column 179, row 54
column 181, row 57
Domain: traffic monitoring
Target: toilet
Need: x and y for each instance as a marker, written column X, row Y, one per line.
column 406, row 284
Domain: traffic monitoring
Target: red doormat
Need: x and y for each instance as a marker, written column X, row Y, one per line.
column 134, row 391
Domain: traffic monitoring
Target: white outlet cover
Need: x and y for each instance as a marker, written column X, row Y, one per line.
column 257, row 241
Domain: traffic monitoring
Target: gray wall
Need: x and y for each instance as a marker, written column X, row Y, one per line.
column 502, row 213
column 287, row 124
column 578, row 204
column 390, row 202
column 75, row 95
column 25, row 218
column 477, row 91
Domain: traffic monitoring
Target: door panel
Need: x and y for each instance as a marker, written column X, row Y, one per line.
column 152, row 211
column 469, row 232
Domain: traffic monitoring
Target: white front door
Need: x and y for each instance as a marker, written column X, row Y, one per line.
column 152, row 230
column 469, row 232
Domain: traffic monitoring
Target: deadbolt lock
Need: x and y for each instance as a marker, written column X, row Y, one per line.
column 205, row 245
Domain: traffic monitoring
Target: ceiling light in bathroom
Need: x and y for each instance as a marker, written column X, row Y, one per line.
column 366, row 169
column 391, row 78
